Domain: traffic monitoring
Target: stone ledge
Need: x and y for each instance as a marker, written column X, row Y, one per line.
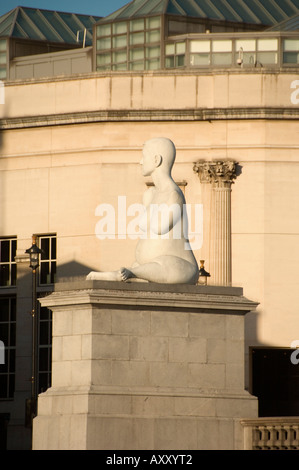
column 200, row 114
column 172, row 403
column 152, row 391
column 74, row 283
column 217, row 299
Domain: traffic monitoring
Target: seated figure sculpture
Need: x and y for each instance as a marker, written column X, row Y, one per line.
column 163, row 254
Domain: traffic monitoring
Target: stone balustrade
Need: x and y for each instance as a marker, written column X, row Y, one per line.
column 273, row 433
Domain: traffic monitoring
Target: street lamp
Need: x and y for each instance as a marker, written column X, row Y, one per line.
column 31, row 405
column 203, row 274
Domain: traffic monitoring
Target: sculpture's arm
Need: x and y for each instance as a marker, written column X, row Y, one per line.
column 164, row 217
column 148, row 196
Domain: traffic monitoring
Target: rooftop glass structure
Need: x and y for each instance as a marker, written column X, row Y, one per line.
column 239, row 50
column 291, row 24
column 158, row 35
column 261, row 12
column 46, row 25
column 27, row 31
column 163, row 34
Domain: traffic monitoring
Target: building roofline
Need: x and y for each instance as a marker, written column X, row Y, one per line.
column 64, row 27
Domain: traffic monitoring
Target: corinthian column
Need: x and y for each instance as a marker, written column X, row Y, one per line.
column 220, row 174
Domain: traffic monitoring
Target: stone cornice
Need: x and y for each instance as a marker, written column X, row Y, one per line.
column 200, row 72
column 143, row 115
column 148, row 295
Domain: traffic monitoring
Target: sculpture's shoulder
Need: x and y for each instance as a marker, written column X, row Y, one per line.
column 176, row 196
column 172, row 194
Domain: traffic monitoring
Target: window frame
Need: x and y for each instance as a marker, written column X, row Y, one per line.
column 135, row 28
column 45, row 323
column 4, row 66
column 289, row 51
column 11, row 262
column 50, row 260
column 176, row 56
column 8, row 369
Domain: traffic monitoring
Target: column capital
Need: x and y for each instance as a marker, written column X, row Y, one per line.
column 220, row 173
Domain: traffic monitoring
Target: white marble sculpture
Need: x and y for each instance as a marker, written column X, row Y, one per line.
column 163, row 254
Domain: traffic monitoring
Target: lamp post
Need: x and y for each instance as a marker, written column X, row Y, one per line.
column 34, row 253
column 203, row 274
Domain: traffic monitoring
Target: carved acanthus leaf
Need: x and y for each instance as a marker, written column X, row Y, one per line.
column 219, row 173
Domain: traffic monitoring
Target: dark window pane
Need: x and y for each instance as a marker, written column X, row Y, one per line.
column 48, row 246
column 12, row 360
column 45, row 247
column 11, row 385
column 8, row 336
column 4, row 333
column 44, row 272
column 44, row 313
column 4, row 310
column 4, row 275
column 53, row 272
column 43, row 359
column 290, row 57
column 13, row 249
column 13, row 274
column 53, row 248
column 169, row 61
column 180, row 60
column 12, row 334
column 4, row 367
column 4, row 419
column 13, row 310
column 275, row 381
column 4, row 251
column 3, row 386
column 44, row 379
column 43, row 333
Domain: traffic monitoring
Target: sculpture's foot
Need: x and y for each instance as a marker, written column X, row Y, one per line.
column 122, row 275
column 125, row 274
column 103, row 276
column 91, row 276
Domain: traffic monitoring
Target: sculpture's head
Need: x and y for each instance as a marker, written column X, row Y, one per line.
column 158, row 153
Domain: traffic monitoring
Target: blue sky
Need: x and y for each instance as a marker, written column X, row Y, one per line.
column 89, row 7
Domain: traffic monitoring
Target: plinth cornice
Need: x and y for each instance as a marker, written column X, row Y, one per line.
column 147, row 296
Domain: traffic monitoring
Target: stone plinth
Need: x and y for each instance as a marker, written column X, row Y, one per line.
column 145, row 366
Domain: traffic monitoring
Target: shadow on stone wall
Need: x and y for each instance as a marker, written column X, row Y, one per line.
column 71, row 270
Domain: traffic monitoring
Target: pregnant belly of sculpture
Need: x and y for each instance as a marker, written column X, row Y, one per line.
column 148, row 250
